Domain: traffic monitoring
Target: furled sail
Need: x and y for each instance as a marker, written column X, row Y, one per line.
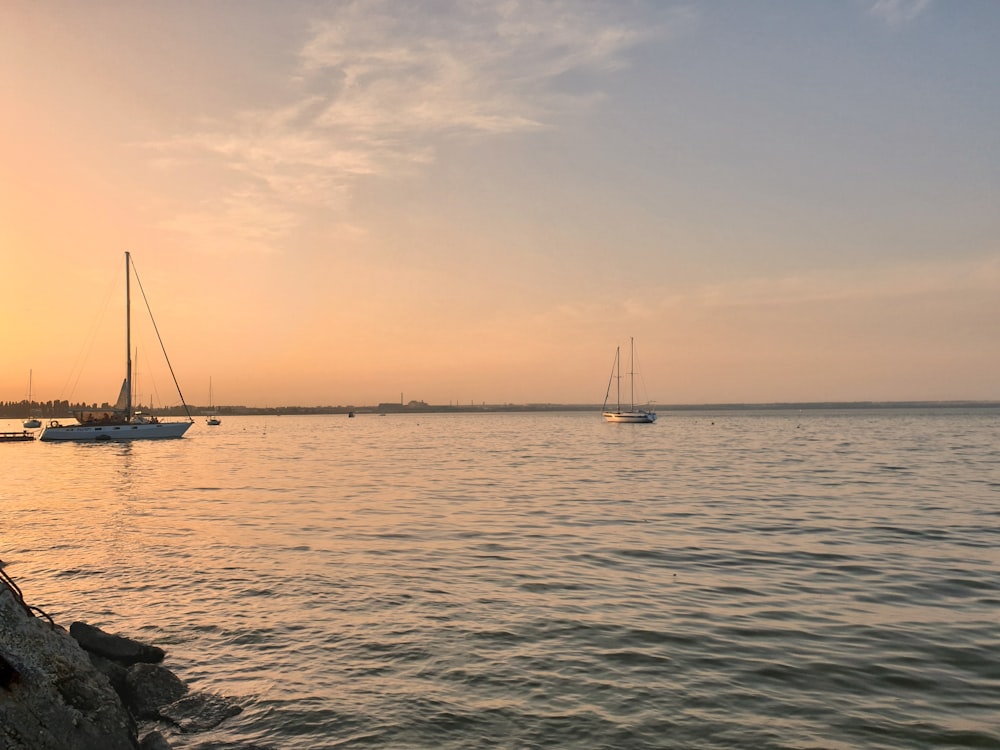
column 122, row 403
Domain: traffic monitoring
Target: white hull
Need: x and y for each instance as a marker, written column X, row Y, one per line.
column 629, row 416
column 103, row 433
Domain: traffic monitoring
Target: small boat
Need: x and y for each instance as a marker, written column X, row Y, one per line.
column 121, row 421
column 632, row 414
column 31, row 423
column 213, row 418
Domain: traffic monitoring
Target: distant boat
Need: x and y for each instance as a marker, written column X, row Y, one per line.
column 631, row 414
column 120, row 422
column 213, row 419
column 31, row 422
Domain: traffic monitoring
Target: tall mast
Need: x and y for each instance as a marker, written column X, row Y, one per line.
column 618, row 375
column 631, row 374
column 128, row 340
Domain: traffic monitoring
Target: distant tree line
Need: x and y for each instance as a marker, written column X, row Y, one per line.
column 64, row 409
column 44, row 409
column 40, row 409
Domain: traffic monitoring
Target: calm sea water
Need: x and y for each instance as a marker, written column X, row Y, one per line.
column 817, row 579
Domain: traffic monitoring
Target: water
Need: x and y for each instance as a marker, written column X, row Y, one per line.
column 817, row 579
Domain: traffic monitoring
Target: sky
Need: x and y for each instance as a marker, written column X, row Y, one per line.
column 347, row 203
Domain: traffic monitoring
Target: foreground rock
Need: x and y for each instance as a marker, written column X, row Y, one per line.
column 52, row 698
column 86, row 689
column 149, row 687
column 114, row 647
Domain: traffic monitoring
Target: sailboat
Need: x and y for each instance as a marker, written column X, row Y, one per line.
column 121, row 421
column 213, row 418
column 31, row 422
column 632, row 414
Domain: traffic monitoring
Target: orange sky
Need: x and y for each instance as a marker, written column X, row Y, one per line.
column 334, row 204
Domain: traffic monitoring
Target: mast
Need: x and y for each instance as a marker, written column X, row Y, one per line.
column 128, row 340
column 618, row 375
column 631, row 374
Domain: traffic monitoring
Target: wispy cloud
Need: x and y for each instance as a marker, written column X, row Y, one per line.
column 975, row 277
column 379, row 83
column 898, row 12
column 916, row 280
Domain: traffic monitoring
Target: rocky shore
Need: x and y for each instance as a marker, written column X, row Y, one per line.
column 85, row 689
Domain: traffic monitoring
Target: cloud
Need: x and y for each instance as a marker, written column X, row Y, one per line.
column 898, row 12
column 913, row 280
column 243, row 221
column 378, row 84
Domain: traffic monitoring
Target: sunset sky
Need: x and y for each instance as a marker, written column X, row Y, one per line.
column 341, row 202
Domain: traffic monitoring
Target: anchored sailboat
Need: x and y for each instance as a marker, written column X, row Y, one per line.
column 120, row 422
column 31, row 422
column 632, row 414
column 213, row 418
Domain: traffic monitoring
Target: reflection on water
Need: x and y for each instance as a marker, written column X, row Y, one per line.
column 760, row 579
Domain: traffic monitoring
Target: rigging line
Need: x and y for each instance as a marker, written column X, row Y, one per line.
column 610, row 380
column 86, row 347
column 152, row 379
column 643, row 390
column 160, row 339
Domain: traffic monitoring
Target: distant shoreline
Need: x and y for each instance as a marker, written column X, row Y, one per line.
column 419, row 407
column 422, row 408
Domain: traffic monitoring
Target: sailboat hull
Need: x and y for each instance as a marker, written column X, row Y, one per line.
column 103, row 433
column 630, row 416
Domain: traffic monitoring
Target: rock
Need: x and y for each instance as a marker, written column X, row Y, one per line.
column 154, row 741
column 115, row 647
column 114, row 671
column 150, row 687
column 53, row 697
column 200, row 712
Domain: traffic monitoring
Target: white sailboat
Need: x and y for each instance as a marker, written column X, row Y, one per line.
column 31, row 423
column 631, row 414
column 120, row 422
column 213, row 418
